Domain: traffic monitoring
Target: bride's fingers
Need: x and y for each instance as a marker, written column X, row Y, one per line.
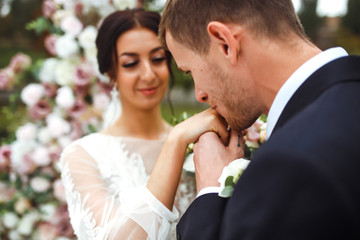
column 222, row 130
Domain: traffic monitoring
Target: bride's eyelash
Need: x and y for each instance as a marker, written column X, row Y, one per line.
column 158, row 59
column 129, row 65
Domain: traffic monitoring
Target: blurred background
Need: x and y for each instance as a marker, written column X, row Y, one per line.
column 36, row 122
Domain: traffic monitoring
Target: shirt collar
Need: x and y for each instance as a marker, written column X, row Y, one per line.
column 296, row 80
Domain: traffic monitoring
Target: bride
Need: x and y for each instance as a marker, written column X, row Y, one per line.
column 106, row 174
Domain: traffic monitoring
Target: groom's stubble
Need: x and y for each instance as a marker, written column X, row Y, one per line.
column 240, row 109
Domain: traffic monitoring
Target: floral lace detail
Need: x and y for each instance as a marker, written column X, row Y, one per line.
column 122, row 173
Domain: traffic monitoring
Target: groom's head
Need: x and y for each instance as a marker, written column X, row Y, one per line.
column 225, row 45
column 187, row 20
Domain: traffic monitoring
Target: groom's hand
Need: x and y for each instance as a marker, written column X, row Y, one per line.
column 211, row 156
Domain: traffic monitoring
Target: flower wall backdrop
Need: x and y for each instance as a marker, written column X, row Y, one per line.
column 64, row 101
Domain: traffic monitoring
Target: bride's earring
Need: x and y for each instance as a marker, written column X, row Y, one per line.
column 113, row 111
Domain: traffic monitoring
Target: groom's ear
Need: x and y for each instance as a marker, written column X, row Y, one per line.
column 227, row 39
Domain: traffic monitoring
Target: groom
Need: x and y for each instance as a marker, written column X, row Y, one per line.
column 251, row 57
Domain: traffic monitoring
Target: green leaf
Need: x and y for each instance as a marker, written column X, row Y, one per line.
column 39, row 25
column 229, row 181
column 227, row 191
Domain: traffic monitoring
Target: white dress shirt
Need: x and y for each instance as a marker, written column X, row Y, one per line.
column 288, row 90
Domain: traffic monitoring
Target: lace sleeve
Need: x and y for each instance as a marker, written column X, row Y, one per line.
column 98, row 213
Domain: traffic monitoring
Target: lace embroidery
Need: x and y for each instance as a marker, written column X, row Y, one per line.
column 122, row 172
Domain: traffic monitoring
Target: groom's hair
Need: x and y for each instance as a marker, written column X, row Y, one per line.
column 187, row 20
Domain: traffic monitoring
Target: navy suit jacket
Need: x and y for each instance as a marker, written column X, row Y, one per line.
column 304, row 182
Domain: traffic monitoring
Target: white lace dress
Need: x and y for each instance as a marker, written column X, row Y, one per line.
column 105, row 178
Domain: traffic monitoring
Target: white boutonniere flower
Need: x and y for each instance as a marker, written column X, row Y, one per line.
column 230, row 175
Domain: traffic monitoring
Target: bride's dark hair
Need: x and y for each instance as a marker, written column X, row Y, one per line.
column 118, row 23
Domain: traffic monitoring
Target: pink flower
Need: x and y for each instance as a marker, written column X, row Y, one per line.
column 49, row 43
column 254, row 131
column 83, row 75
column 78, row 8
column 40, row 110
column 81, row 91
column 46, row 230
column 6, row 192
column 27, row 165
column 59, row 190
column 5, row 153
column 50, row 89
column 48, row 171
column 48, row 8
column 7, row 78
column 55, row 152
column 78, row 109
column 20, row 62
column 76, row 130
column 62, row 222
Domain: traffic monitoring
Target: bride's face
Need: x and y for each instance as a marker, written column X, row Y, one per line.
column 142, row 72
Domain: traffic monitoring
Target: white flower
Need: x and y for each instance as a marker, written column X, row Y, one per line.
column 101, row 101
column 57, row 126
column 87, row 37
column 44, row 135
column 14, row 235
column 64, row 72
column 10, row 220
column 26, row 223
column 41, row 156
column 66, row 46
column 189, row 165
column 64, row 141
column 26, row 132
column 48, row 210
column 91, row 55
column 65, row 97
column 123, row 4
column 40, row 184
column 18, row 149
column 234, row 170
column 252, row 144
column 47, row 71
column 71, row 25
column 59, row 15
column 32, row 93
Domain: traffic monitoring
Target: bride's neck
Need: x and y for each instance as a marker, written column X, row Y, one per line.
column 140, row 124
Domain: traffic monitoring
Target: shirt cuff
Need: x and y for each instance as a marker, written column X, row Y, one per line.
column 208, row 190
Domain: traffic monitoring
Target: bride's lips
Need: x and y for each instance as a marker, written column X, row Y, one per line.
column 149, row 91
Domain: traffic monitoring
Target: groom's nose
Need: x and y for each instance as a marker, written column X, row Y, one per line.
column 200, row 95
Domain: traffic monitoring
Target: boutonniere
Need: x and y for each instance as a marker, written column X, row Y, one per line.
column 230, row 176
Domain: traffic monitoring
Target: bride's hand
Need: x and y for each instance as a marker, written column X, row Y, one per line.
column 192, row 128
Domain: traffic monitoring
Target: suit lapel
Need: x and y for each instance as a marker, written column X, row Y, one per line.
column 340, row 70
